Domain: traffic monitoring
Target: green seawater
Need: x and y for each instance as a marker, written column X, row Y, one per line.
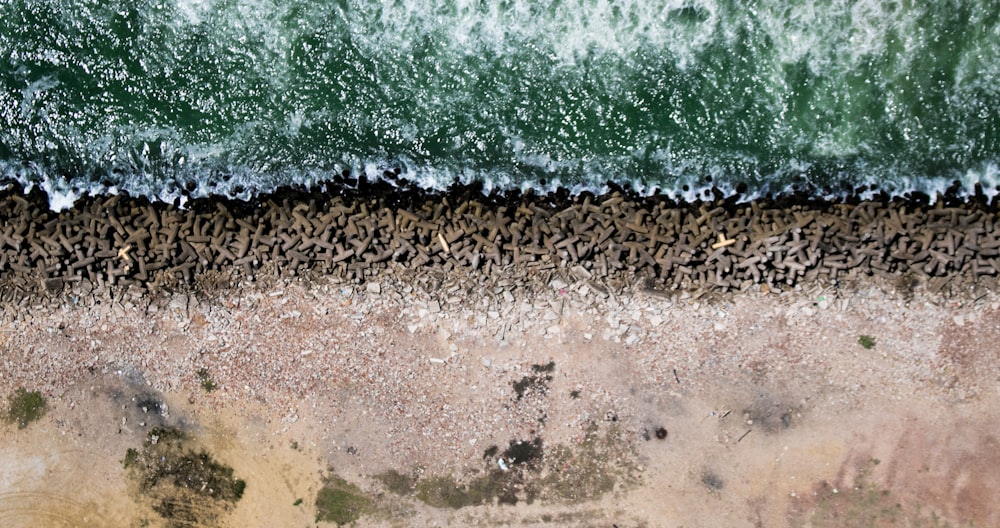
column 237, row 97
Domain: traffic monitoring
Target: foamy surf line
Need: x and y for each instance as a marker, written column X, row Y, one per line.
column 978, row 185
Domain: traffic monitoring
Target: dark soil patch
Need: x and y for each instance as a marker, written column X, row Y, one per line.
column 529, row 384
column 521, row 453
column 712, row 481
column 547, row 368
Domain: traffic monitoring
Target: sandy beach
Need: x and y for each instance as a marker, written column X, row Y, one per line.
column 455, row 403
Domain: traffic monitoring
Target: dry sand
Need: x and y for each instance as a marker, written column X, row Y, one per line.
column 775, row 414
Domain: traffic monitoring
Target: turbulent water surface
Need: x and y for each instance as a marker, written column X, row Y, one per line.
column 239, row 96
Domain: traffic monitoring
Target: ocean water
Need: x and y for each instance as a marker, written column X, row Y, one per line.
column 166, row 98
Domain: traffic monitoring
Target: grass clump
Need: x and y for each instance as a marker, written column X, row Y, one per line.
column 396, row 482
column 25, row 407
column 508, row 483
column 341, row 502
column 131, row 458
column 528, row 470
column 867, row 341
column 862, row 505
column 185, row 487
column 591, row 469
column 445, row 492
column 207, row 383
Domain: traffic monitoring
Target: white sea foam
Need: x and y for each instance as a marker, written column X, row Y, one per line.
column 830, row 37
column 245, row 185
column 193, row 11
column 569, row 29
column 835, row 34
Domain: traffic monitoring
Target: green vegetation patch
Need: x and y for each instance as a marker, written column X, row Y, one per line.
column 867, row 341
column 185, row 487
column 207, row 383
column 446, row 492
column 506, row 483
column 397, row 482
column 341, row 502
column 25, row 407
column 863, row 505
column 603, row 462
column 588, row 471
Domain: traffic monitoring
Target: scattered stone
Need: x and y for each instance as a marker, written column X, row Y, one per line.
column 580, row 273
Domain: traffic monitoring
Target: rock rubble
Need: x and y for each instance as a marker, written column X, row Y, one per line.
column 719, row 245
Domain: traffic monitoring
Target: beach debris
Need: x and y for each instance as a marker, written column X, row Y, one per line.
column 723, row 242
column 123, row 254
column 502, row 464
column 444, row 243
column 822, row 303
